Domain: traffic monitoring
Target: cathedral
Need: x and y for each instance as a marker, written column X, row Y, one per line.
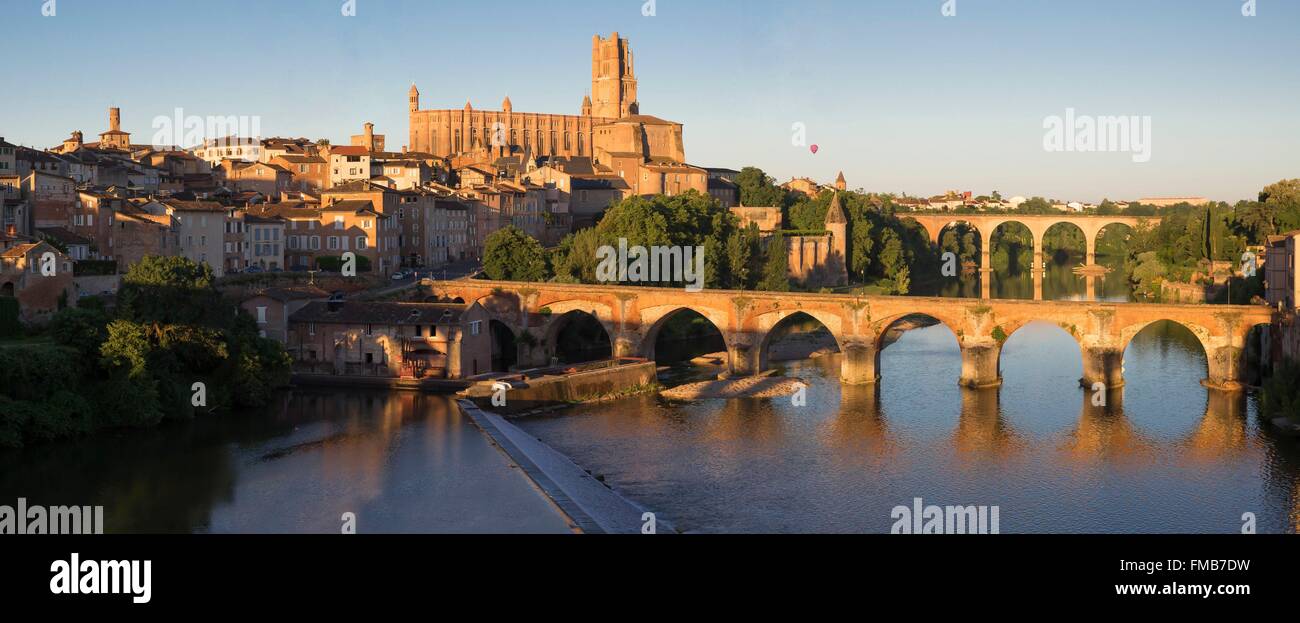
column 608, row 129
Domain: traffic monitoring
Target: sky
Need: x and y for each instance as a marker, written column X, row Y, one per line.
column 895, row 94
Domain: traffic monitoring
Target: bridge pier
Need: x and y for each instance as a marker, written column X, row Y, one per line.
column 628, row 344
column 1103, row 364
column 986, row 265
column 1226, row 369
column 532, row 356
column 979, row 365
column 1038, row 269
column 860, row 364
column 1092, row 251
column 744, row 354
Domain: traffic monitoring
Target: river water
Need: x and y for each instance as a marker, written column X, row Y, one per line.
column 1166, row 456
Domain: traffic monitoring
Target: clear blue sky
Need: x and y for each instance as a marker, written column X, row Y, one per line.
column 898, row 96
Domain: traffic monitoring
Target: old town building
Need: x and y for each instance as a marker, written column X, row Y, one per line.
column 40, row 277
column 394, row 340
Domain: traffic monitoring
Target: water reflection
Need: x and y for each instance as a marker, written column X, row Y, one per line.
column 401, row 462
column 1059, row 283
column 983, row 430
column 1163, row 454
column 1104, row 433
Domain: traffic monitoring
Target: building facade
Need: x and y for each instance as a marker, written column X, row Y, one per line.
column 393, row 340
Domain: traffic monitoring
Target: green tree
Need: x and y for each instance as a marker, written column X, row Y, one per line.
column 776, row 270
column 512, row 255
column 758, row 190
column 739, row 259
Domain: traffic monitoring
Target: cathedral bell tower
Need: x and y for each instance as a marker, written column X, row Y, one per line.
column 613, row 78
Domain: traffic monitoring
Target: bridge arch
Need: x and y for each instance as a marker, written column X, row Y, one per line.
column 1014, row 337
column 1080, row 236
column 505, row 346
column 774, row 325
column 1094, row 240
column 1200, row 334
column 653, row 320
column 863, row 360
column 590, row 338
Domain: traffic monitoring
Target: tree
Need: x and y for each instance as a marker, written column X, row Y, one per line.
column 739, row 257
column 759, row 190
column 512, row 255
column 776, row 270
column 861, row 246
column 170, row 290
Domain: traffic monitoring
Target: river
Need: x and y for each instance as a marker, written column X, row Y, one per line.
column 1165, row 456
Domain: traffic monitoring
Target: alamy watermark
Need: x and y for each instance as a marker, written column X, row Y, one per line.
column 238, row 134
column 657, row 264
column 921, row 519
column 102, row 577
column 1086, row 133
column 63, row 520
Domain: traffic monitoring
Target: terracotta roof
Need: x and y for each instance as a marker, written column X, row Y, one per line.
column 349, row 151
column 20, row 250
column 835, row 215
column 194, row 206
column 350, row 205
column 64, row 236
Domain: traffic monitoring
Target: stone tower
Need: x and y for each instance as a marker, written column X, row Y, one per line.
column 613, row 78
column 840, row 184
column 115, row 119
column 837, row 224
column 414, row 96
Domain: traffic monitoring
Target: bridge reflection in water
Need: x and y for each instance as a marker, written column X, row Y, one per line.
column 1163, row 454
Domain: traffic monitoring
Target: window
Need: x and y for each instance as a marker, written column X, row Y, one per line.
column 261, row 315
column 311, row 329
column 338, row 222
column 475, row 327
column 361, row 243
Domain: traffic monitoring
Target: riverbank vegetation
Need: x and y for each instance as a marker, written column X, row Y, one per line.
column 134, row 366
column 1279, row 397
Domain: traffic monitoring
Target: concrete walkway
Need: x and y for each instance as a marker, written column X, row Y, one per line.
column 594, row 507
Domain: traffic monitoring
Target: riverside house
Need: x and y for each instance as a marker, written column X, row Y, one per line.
column 394, row 340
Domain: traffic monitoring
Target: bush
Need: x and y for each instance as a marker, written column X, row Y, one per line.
column 1280, row 395
column 66, row 414
column 9, row 325
column 88, row 268
column 37, row 372
column 14, row 416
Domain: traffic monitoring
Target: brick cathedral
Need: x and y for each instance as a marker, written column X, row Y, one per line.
column 608, row 126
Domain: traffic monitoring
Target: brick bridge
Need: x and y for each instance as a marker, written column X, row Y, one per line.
column 986, row 224
column 633, row 317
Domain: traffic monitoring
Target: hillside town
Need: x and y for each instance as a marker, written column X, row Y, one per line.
column 247, row 204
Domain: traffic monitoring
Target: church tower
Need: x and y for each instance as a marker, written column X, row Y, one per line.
column 837, row 223
column 840, row 183
column 613, row 78
column 414, row 96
